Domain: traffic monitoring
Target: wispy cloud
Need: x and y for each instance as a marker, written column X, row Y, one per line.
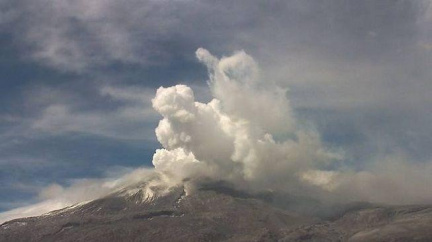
column 127, row 120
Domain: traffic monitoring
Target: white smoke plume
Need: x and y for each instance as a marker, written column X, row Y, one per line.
column 246, row 135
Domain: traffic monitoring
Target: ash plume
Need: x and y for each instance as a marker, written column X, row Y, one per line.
column 247, row 134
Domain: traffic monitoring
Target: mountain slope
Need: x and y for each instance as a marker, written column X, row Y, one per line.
column 205, row 215
column 213, row 213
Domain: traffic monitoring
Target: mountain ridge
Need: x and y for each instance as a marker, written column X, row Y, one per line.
column 215, row 212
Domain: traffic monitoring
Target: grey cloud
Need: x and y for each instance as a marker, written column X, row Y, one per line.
column 127, row 120
column 76, row 35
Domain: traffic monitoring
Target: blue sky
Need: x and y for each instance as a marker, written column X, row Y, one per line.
column 77, row 77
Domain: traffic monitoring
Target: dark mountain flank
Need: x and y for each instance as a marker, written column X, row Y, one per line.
column 216, row 213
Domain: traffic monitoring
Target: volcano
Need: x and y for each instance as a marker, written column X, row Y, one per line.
column 238, row 168
column 218, row 212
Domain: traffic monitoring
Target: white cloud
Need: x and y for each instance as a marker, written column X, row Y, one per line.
column 226, row 139
column 231, row 137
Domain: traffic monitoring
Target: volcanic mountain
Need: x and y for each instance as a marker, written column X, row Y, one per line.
column 277, row 173
column 218, row 212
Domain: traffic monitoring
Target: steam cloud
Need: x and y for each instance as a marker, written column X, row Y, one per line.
column 248, row 135
column 233, row 137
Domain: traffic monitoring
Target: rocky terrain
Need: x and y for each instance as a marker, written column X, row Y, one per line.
column 216, row 213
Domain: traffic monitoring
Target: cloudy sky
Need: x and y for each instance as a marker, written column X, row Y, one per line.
column 77, row 78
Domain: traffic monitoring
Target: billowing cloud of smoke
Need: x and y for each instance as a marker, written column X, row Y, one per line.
column 246, row 135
